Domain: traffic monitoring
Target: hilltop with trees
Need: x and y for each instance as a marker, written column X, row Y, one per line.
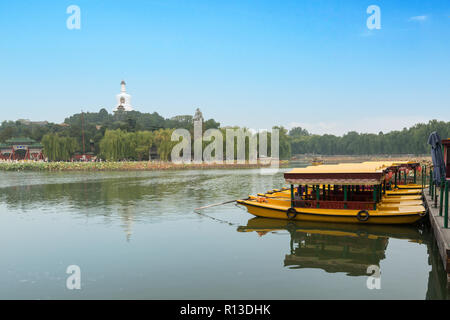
column 411, row 140
column 135, row 136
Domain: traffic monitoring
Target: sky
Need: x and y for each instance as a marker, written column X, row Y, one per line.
column 257, row 64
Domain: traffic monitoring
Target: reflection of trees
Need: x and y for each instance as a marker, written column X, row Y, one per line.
column 128, row 197
column 90, row 193
column 350, row 248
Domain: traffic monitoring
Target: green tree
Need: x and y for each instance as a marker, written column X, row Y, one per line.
column 57, row 148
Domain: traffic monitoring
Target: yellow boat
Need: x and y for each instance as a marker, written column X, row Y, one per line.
column 403, row 192
column 316, row 162
column 344, row 193
column 409, row 186
column 284, row 198
column 402, row 198
column 396, row 215
column 391, row 195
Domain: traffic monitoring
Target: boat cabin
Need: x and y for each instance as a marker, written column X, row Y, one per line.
column 347, row 186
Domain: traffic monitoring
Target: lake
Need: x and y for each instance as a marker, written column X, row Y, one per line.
column 135, row 235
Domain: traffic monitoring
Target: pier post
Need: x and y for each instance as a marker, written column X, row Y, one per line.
column 395, row 179
column 431, row 190
column 424, row 174
column 435, row 195
column 292, row 196
column 375, row 197
column 446, row 205
column 441, row 199
column 318, row 195
column 345, row 197
column 429, row 185
column 415, row 175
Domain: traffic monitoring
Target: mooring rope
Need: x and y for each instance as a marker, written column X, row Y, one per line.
column 215, row 205
column 198, row 211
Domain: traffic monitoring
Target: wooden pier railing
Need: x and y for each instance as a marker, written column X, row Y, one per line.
column 443, row 195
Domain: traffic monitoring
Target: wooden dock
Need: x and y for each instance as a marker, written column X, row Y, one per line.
column 441, row 235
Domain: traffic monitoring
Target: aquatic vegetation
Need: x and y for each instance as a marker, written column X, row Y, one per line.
column 115, row 166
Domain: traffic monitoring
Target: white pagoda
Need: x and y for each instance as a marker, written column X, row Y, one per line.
column 123, row 99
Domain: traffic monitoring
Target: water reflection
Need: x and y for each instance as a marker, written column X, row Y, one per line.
column 349, row 249
column 127, row 197
column 95, row 212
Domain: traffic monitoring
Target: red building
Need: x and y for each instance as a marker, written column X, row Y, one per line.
column 21, row 149
column 87, row 157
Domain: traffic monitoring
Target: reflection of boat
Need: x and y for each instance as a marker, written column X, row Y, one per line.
column 345, row 248
column 408, row 232
column 345, row 193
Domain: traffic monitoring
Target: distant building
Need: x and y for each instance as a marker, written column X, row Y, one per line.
column 123, row 99
column 87, row 157
column 29, row 122
column 21, row 149
column 182, row 118
column 188, row 118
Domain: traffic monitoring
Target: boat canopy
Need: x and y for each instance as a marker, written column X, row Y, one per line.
column 365, row 173
column 395, row 165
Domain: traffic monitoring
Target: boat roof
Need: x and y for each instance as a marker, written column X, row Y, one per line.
column 364, row 173
column 398, row 163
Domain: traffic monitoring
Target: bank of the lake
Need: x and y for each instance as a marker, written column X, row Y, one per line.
column 123, row 166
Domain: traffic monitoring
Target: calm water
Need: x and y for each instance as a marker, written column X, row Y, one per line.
column 135, row 236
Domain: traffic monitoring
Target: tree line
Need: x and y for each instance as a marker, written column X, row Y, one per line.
column 95, row 124
column 133, row 135
column 120, row 145
column 413, row 140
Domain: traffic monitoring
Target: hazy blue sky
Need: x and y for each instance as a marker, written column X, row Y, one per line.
column 250, row 63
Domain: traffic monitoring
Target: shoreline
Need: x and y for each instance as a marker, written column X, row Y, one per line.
column 124, row 166
column 40, row 166
column 333, row 159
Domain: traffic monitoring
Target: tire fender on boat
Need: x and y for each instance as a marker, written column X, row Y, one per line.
column 291, row 213
column 363, row 215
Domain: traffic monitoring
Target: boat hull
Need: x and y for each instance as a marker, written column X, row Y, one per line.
column 411, row 186
column 403, row 192
column 336, row 216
